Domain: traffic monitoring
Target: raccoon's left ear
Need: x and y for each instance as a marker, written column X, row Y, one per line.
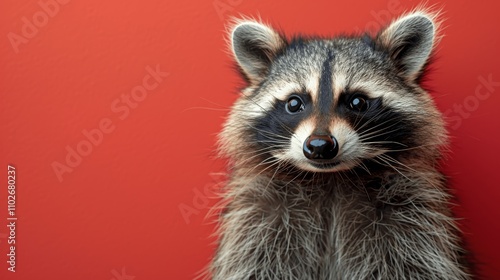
column 255, row 46
column 409, row 41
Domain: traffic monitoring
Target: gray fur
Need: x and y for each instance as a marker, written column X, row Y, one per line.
column 348, row 223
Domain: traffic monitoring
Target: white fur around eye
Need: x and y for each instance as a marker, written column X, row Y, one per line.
column 391, row 96
column 277, row 91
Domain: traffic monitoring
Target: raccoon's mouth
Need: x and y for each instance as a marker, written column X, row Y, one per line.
column 324, row 165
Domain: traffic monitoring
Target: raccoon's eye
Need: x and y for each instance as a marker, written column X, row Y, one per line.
column 359, row 103
column 294, row 105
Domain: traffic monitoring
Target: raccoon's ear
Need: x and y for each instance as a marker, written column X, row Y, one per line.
column 254, row 46
column 409, row 41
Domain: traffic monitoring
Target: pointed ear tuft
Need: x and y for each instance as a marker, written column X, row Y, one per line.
column 254, row 46
column 409, row 42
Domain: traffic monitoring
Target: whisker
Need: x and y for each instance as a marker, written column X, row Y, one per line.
column 391, row 166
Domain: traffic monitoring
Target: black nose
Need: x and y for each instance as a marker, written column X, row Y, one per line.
column 320, row 147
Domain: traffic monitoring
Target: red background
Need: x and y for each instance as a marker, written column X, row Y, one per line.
column 120, row 207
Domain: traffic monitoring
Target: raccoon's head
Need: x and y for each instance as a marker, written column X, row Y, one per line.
column 326, row 105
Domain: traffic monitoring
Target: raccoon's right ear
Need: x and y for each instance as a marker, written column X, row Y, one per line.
column 255, row 46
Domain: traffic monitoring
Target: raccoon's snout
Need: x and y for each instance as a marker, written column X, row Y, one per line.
column 320, row 147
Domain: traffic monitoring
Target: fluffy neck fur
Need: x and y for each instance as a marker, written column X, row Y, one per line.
column 342, row 226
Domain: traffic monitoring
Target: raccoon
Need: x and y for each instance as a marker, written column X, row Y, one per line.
column 334, row 151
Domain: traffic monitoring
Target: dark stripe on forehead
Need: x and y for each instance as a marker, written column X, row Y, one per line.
column 325, row 92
